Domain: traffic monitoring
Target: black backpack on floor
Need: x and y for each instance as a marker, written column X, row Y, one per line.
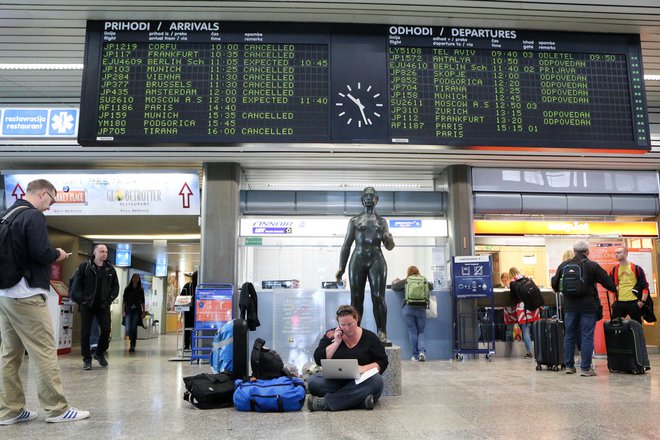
column 208, row 391
column 266, row 363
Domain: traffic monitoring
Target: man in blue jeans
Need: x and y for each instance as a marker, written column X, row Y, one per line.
column 581, row 305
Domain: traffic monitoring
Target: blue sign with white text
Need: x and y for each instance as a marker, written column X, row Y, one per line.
column 39, row 122
column 270, row 230
column 161, row 266
column 123, row 256
column 24, row 122
column 472, row 276
column 405, row 223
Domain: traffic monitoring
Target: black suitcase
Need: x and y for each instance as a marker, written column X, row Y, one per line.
column 241, row 349
column 626, row 346
column 548, row 344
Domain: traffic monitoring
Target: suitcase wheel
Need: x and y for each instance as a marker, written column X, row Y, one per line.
column 539, row 367
column 634, row 371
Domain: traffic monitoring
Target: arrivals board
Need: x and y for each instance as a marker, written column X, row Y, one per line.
column 227, row 83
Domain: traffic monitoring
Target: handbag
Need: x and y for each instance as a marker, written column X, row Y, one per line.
column 270, row 395
column 432, row 309
column 207, row 391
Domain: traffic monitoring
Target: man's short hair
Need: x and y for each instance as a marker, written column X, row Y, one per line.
column 96, row 246
column 581, row 247
column 41, row 184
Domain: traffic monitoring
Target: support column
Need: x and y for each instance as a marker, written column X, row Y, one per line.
column 220, row 216
column 460, row 210
column 460, row 213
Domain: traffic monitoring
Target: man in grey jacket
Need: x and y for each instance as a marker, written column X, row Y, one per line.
column 25, row 322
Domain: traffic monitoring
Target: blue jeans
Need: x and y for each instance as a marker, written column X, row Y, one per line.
column 132, row 320
column 416, row 321
column 527, row 337
column 579, row 325
column 343, row 394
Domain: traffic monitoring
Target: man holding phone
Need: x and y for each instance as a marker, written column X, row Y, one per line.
column 25, row 322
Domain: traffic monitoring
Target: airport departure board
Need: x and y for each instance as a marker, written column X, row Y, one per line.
column 228, row 83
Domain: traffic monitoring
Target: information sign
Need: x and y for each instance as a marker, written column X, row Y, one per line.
column 472, row 276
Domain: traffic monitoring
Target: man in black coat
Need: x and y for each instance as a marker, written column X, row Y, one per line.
column 581, row 308
column 25, row 321
column 96, row 286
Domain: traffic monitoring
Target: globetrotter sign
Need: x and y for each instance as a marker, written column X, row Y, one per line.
column 108, row 193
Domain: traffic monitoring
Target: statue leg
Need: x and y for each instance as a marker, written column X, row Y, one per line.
column 377, row 282
column 357, row 275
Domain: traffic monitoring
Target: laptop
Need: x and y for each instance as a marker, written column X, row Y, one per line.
column 340, row 368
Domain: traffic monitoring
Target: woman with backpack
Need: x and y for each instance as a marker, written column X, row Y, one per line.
column 415, row 303
column 519, row 287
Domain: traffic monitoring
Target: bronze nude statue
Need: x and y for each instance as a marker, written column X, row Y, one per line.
column 368, row 230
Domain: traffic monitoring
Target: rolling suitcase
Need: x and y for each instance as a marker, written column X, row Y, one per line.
column 230, row 349
column 548, row 344
column 626, row 346
column 241, row 349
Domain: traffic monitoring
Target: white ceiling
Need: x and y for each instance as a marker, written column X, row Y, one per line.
column 53, row 31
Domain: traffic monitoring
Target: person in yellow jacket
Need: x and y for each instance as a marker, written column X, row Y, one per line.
column 633, row 287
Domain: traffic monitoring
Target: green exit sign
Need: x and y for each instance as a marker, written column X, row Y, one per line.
column 253, row 241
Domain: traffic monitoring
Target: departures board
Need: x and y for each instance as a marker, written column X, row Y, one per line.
column 226, row 83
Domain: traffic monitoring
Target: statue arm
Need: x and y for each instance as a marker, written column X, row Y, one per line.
column 346, row 250
column 388, row 240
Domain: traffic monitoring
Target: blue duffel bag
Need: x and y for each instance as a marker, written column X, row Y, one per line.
column 271, row 395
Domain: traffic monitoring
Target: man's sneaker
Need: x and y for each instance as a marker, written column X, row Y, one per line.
column 101, row 359
column 316, row 404
column 422, row 357
column 528, row 355
column 87, row 365
column 571, row 370
column 369, row 401
column 590, row 372
column 71, row 415
column 413, row 358
column 24, row 416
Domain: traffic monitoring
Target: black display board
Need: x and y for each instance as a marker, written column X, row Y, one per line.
column 225, row 83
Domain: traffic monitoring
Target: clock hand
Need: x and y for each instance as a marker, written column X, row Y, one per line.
column 364, row 117
column 356, row 101
column 360, row 106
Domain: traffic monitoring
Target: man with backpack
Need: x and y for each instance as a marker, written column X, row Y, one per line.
column 415, row 302
column 25, row 322
column 576, row 279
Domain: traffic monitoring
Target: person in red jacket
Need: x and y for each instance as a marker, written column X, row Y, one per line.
column 633, row 287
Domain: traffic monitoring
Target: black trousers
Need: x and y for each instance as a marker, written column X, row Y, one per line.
column 87, row 315
column 621, row 309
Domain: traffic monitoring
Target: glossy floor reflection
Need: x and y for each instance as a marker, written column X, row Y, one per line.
column 139, row 397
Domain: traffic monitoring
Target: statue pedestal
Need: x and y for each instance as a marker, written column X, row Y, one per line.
column 392, row 376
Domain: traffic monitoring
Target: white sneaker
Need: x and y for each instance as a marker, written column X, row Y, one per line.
column 422, row 357
column 71, row 415
column 24, row 416
column 413, row 358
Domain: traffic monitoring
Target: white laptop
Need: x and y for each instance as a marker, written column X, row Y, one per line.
column 340, row 368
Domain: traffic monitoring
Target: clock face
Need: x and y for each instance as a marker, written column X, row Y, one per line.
column 359, row 105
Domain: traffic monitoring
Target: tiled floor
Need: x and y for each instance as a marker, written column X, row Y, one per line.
column 139, row 397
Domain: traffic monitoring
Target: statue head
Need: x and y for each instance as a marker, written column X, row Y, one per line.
column 369, row 196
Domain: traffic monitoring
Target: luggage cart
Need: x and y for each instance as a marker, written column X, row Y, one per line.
column 474, row 331
column 213, row 308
